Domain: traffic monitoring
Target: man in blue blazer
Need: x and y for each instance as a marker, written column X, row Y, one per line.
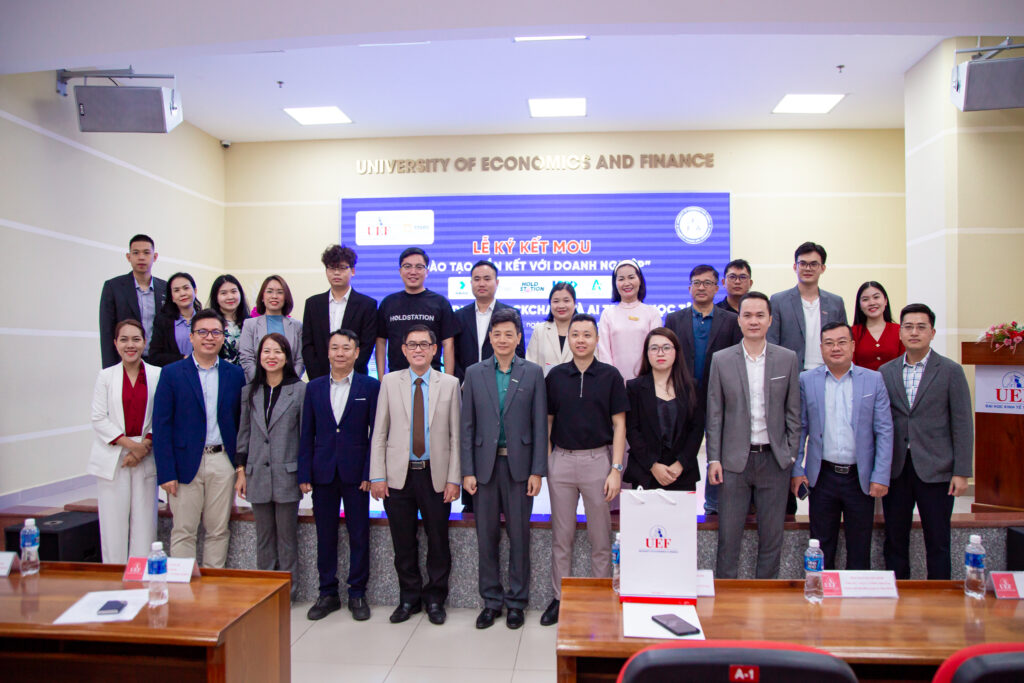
column 334, row 463
column 195, row 425
column 845, row 447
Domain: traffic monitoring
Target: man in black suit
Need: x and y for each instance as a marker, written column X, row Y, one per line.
column 471, row 343
column 137, row 295
column 703, row 329
column 340, row 307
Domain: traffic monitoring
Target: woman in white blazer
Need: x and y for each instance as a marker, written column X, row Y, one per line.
column 273, row 303
column 547, row 347
column 122, row 451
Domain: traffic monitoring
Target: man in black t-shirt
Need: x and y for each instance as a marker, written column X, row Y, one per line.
column 414, row 305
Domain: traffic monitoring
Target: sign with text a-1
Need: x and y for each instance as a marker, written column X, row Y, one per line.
column 999, row 389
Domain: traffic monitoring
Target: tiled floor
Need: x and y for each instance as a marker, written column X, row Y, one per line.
column 374, row 651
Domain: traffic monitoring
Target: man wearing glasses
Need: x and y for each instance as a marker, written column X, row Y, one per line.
column 703, row 329
column 195, row 424
column 933, row 443
column 415, row 305
column 738, row 282
column 846, row 438
column 340, row 307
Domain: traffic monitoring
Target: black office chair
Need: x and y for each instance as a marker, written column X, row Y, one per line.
column 734, row 660
column 985, row 663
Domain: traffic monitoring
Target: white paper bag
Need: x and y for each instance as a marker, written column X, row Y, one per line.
column 658, row 545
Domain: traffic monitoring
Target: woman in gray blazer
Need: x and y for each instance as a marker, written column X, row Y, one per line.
column 273, row 303
column 267, row 455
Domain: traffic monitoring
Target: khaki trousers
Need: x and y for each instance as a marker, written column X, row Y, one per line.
column 207, row 497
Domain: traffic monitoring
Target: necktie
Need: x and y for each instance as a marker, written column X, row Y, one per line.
column 418, row 442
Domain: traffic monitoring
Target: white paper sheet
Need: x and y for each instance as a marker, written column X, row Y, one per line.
column 637, row 622
column 84, row 611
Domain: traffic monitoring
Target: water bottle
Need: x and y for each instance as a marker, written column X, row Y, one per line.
column 156, row 566
column 616, row 547
column 29, row 548
column 974, row 568
column 814, row 563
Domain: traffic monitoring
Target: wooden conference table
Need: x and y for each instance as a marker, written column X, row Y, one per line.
column 902, row 639
column 227, row 625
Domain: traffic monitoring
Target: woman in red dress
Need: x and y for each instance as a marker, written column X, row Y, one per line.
column 876, row 336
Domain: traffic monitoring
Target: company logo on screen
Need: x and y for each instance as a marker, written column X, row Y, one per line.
column 405, row 228
column 657, row 538
column 693, row 225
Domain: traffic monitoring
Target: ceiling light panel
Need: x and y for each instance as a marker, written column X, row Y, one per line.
column 557, row 106
column 317, row 116
column 807, row 104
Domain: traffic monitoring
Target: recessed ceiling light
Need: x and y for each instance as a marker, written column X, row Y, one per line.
column 415, row 42
column 529, row 39
column 807, row 104
column 315, row 116
column 558, row 106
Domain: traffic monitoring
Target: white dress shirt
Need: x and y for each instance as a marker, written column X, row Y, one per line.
column 812, row 334
column 339, row 394
column 758, row 408
column 209, row 380
column 336, row 309
column 483, row 321
column 838, row 440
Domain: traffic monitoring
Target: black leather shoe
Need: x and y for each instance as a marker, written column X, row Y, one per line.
column 515, row 618
column 359, row 609
column 404, row 611
column 436, row 613
column 550, row 615
column 487, row 617
column 323, row 606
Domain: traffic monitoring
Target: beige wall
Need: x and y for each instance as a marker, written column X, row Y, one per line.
column 68, row 204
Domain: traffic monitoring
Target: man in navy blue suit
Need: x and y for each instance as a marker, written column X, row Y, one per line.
column 195, row 425
column 334, row 463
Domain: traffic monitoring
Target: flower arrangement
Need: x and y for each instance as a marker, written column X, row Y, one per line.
column 1003, row 335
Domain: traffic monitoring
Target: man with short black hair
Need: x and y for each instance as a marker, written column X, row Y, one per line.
column 738, row 280
column 472, row 343
column 933, row 443
column 414, row 305
column 136, row 296
column 195, row 427
column 340, row 307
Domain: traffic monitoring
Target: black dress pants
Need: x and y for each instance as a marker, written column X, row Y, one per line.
column 836, row 496
column 934, row 505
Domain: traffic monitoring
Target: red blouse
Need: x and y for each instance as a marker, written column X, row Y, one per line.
column 133, row 400
column 872, row 353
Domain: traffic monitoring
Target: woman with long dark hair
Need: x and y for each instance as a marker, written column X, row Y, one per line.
column 267, row 455
column 623, row 326
column 274, row 303
column 665, row 423
column 876, row 337
column 172, row 327
column 547, row 347
column 228, row 298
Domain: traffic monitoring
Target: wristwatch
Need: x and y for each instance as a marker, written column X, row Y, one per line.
column 617, row 467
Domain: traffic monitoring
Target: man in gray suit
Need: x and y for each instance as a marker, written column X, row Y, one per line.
column 798, row 314
column 504, row 457
column 933, row 442
column 753, row 429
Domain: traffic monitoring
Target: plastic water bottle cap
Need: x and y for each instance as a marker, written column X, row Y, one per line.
column 976, row 539
column 814, row 543
column 157, row 545
column 30, row 523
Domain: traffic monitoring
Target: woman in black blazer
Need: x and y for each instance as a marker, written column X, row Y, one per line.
column 174, row 316
column 665, row 424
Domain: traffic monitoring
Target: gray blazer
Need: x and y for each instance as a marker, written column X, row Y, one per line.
column 939, row 428
column 273, row 450
column 728, row 416
column 525, row 417
column 255, row 329
column 788, row 318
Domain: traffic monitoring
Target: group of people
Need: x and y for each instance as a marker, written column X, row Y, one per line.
column 789, row 399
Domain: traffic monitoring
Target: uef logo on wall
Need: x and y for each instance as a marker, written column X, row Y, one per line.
column 999, row 389
column 693, row 225
column 405, row 228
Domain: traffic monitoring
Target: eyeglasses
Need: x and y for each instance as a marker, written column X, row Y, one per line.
column 734, row 277
column 416, row 346
column 339, row 269
column 213, row 334
column 414, row 266
column 831, row 344
column 662, row 350
column 809, row 265
column 703, row 283
column 919, row 327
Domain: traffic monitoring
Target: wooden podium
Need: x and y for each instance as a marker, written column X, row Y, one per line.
column 998, row 442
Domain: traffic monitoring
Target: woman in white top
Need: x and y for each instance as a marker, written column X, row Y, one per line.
column 122, row 451
column 623, row 328
column 273, row 303
column 547, row 347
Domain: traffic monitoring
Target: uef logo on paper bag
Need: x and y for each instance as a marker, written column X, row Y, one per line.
column 657, row 538
column 406, row 228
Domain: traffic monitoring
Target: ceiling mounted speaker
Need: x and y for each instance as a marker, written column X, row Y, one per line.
column 127, row 109
column 988, row 84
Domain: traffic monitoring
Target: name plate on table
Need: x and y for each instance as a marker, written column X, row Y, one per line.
column 179, row 569
column 1007, row 585
column 859, row 584
column 705, row 583
column 9, row 561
